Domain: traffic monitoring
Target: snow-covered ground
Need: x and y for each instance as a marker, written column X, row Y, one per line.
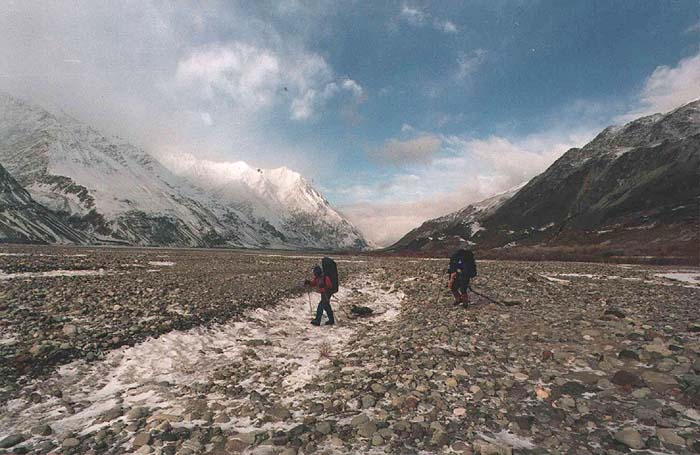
column 685, row 278
column 51, row 274
column 162, row 373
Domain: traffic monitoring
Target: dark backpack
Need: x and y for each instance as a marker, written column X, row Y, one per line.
column 330, row 269
column 463, row 260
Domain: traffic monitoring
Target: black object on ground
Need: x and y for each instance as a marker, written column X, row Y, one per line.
column 361, row 310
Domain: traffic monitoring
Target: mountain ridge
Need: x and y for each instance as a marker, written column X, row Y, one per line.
column 118, row 193
column 641, row 176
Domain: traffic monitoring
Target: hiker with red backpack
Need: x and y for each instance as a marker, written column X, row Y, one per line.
column 325, row 282
column 461, row 270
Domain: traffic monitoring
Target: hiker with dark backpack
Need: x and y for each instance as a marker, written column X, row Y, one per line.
column 325, row 282
column 461, row 270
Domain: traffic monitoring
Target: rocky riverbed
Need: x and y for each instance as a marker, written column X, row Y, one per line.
column 193, row 352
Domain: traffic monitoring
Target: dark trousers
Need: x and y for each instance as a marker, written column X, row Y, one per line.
column 325, row 305
column 460, row 285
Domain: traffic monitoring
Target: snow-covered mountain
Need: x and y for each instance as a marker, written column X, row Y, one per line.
column 634, row 187
column 23, row 220
column 281, row 197
column 116, row 192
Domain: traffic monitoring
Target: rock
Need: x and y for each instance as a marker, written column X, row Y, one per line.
column 279, row 413
column 669, row 436
column 566, row 402
column 459, row 412
column 367, row 429
column 70, row 443
column 618, row 313
column 630, row 437
column 541, row 393
column 137, row 413
column 11, row 441
column 324, row 428
column 378, row 388
column 368, row 401
column 439, row 438
column 141, row 439
column 462, row 448
column 659, row 382
column 42, row 430
column 411, row 402
column 451, row 382
column 487, row 448
column 111, row 414
column 359, row 420
column 572, row 388
column 70, row 330
column 377, row 440
column 627, row 354
column 694, row 327
column 144, row 450
column 658, row 348
column 627, row 378
column 240, row 442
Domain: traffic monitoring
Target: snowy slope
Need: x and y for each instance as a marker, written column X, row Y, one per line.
column 23, row 220
column 118, row 192
column 280, row 197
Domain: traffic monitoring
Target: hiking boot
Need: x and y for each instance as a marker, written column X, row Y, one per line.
column 315, row 322
column 329, row 323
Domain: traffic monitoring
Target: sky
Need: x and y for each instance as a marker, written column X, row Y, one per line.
column 397, row 111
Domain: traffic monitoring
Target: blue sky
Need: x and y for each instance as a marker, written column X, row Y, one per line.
column 398, row 111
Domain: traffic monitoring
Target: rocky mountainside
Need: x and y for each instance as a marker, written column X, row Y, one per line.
column 23, row 220
column 634, row 188
column 458, row 226
column 115, row 192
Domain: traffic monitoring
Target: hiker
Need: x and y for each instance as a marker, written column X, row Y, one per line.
column 462, row 268
column 322, row 284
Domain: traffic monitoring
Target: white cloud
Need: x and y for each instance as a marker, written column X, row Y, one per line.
column 353, row 87
column 667, row 88
column 420, row 149
column 247, row 74
column 418, row 17
column 256, row 78
column 467, row 64
column 459, row 170
column 445, row 26
column 413, row 15
column 693, row 28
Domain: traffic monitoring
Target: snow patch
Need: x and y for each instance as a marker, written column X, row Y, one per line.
column 555, row 280
column 161, row 263
column 159, row 372
column 506, row 438
column 683, row 277
column 52, row 274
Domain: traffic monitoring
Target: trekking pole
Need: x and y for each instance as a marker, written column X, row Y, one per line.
column 336, row 312
column 437, row 298
column 311, row 309
column 484, row 296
